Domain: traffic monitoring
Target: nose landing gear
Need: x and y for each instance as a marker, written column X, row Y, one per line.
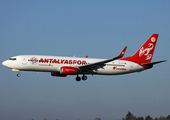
column 18, row 75
column 15, row 70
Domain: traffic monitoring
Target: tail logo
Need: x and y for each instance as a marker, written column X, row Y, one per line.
column 146, row 51
column 153, row 39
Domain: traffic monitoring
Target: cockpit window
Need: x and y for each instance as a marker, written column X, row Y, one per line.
column 12, row 58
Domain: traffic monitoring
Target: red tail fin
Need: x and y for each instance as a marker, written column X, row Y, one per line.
column 145, row 53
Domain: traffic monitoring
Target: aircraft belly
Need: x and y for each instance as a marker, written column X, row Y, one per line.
column 43, row 67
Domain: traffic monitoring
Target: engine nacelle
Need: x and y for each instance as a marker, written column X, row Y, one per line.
column 57, row 74
column 65, row 70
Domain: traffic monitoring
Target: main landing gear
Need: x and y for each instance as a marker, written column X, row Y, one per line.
column 79, row 78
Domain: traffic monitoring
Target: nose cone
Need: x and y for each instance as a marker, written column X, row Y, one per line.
column 6, row 63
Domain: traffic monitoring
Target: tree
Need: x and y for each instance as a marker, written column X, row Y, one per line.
column 168, row 117
column 156, row 118
column 140, row 118
column 129, row 116
column 97, row 118
column 148, row 118
column 162, row 118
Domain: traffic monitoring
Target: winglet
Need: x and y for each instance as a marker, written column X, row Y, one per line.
column 123, row 52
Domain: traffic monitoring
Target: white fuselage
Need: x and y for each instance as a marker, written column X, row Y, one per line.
column 62, row 66
column 54, row 63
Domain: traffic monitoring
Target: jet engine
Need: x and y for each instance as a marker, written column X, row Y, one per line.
column 66, row 70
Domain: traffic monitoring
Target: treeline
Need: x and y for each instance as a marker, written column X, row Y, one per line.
column 130, row 116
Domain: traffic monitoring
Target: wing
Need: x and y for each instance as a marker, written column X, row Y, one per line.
column 94, row 66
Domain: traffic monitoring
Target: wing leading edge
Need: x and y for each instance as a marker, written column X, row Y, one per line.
column 100, row 64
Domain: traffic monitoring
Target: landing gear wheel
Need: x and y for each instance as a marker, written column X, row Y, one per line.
column 84, row 77
column 78, row 78
column 18, row 75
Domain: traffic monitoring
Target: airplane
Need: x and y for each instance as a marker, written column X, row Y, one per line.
column 60, row 66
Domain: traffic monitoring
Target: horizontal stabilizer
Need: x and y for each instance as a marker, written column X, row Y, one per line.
column 152, row 63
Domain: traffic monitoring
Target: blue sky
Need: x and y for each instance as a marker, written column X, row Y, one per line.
column 99, row 29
